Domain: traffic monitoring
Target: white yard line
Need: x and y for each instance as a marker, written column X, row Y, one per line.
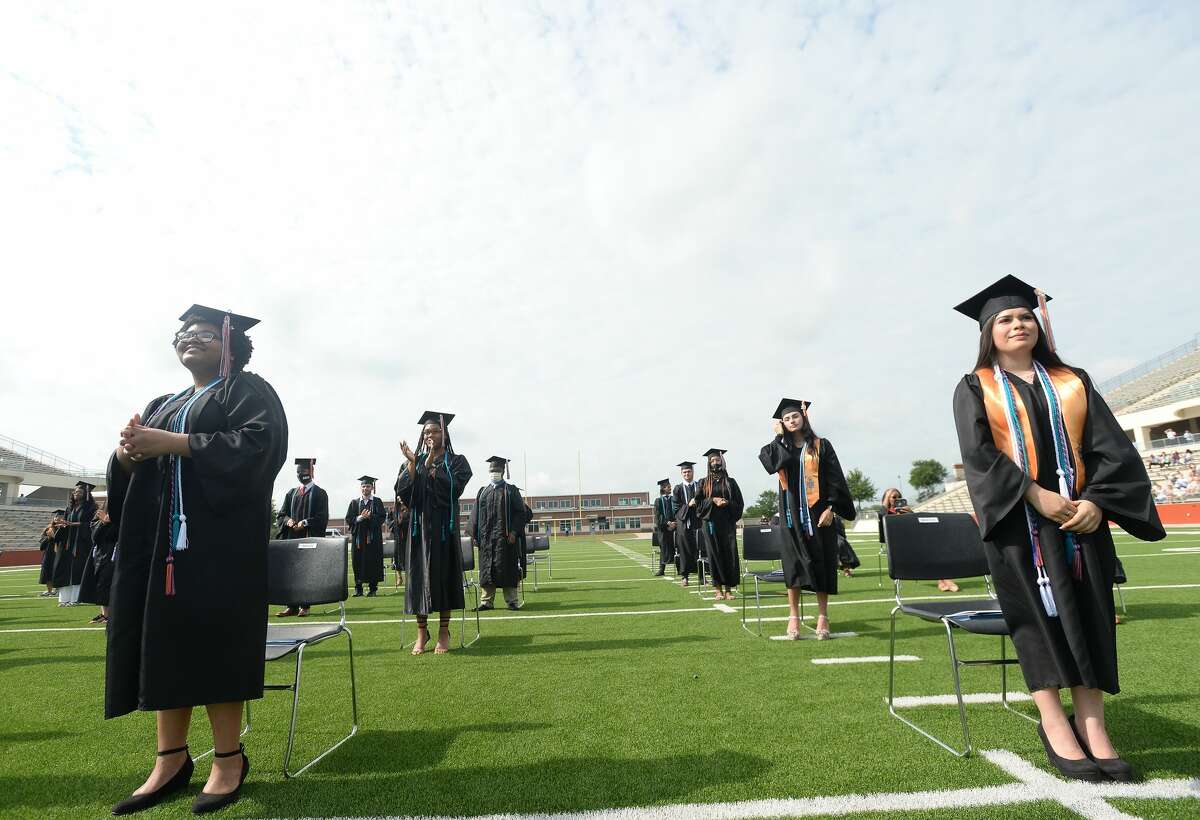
column 636, row 557
column 863, row 659
column 913, row 701
column 1032, row 785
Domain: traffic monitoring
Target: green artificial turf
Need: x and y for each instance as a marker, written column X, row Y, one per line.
column 549, row 714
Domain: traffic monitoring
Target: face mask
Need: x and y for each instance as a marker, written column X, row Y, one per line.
column 496, row 477
column 305, row 479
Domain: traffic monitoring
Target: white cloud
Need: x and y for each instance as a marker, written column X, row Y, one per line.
column 624, row 230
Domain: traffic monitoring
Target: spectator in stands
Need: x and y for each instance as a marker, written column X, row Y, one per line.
column 189, row 486
column 1044, row 499
column 52, row 536
column 893, row 504
column 1170, row 433
column 812, row 492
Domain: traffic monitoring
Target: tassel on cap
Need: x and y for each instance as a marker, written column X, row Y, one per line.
column 1041, row 298
column 226, row 358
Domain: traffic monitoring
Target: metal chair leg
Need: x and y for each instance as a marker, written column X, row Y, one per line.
column 295, row 706
column 891, row 695
column 1121, row 596
column 962, row 707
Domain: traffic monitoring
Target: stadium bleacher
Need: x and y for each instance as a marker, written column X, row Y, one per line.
column 11, row 459
column 1144, row 381
column 20, row 528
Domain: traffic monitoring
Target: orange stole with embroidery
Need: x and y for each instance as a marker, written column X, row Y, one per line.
column 812, row 464
column 1072, row 394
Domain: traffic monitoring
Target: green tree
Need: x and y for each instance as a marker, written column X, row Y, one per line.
column 861, row 488
column 926, row 476
column 767, row 504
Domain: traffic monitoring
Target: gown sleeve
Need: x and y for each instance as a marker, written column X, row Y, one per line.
column 282, row 515
column 116, row 478
column 775, row 456
column 834, row 489
column 1116, row 478
column 318, row 516
column 736, row 504
column 473, row 519
column 351, row 520
column 704, row 505
column 996, row 484
column 404, row 486
column 230, row 464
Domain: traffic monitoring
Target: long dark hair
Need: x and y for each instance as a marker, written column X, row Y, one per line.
column 1041, row 350
column 806, row 431
column 715, row 485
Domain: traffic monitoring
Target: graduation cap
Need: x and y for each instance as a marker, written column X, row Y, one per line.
column 664, row 482
column 310, row 463
column 1006, row 292
column 436, row 417
column 85, row 485
column 60, row 512
column 367, row 479
column 227, row 321
column 713, row 451
column 500, row 463
column 686, row 464
column 218, row 317
column 790, row 405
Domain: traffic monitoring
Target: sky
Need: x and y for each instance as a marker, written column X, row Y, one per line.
column 608, row 236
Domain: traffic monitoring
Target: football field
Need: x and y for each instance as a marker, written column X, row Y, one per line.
column 613, row 693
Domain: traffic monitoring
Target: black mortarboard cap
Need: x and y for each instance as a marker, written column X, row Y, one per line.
column 789, row 404
column 434, row 416
column 367, row 479
column 500, row 460
column 86, row 485
column 714, row 451
column 686, row 464
column 662, row 482
column 59, row 512
column 216, row 317
column 1006, row 292
column 307, row 462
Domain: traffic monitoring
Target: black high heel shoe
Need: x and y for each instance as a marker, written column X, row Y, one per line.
column 205, row 802
column 139, row 802
column 1116, row 768
column 1085, row 769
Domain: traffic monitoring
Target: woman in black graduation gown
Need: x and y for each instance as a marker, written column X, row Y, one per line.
column 430, row 484
column 719, row 507
column 77, row 550
column 1024, row 417
column 808, row 545
column 97, row 575
column 48, row 544
column 189, row 487
column 365, row 518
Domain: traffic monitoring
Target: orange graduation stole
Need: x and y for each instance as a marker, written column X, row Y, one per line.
column 1073, row 397
column 809, row 471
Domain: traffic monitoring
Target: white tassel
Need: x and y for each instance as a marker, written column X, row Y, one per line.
column 1064, row 489
column 1047, row 593
column 181, row 543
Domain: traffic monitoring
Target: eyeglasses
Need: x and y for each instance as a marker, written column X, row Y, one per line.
column 205, row 336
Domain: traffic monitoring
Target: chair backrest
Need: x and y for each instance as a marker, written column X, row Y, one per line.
column 539, row 543
column 760, row 542
column 306, row 570
column 389, row 548
column 468, row 553
column 929, row 546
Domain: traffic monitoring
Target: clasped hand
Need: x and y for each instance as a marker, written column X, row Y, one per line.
column 1071, row 516
column 140, row 442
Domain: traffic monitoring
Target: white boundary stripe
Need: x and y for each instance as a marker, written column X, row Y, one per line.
column 724, row 608
column 636, row 557
column 863, row 659
column 913, row 701
column 1033, row 785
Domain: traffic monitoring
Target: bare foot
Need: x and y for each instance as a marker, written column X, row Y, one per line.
column 225, row 774
column 443, row 644
column 165, row 768
column 422, row 639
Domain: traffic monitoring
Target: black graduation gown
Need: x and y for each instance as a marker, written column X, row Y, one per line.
column 205, row 643
column 687, row 529
column 718, row 533
column 809, row 562
column 312, row 507
column 664, row 538
column 48, row 545
column 497, row 513
column 77, row 549
column 397, row 526
column 522, row 541
column 97, row 576
column 432, row 552
column 366, row 540
column 1078, row 648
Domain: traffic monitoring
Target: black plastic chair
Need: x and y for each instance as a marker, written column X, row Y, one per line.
column 761, row 543
column 313, row 570
column 533, row 545
column 926, row 547
column 469, row 583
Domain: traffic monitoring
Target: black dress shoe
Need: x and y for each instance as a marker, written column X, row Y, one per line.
column 205, row 802
column 1085, row 769
column 659, row 574
column 1116, row 768
column 358, row 593
column 371, row 594
column 139, row 802
column 514, row 607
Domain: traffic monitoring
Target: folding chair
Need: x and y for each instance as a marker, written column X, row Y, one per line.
column 1119, row 580
column 314, row 570
column 882, row 552
column 534, row 545
column 947, row 545
column 469, row 583
column 759, row 543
